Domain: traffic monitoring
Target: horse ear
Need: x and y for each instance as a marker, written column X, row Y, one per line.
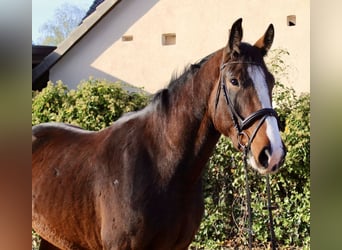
column 235, row 38
column 265, row 42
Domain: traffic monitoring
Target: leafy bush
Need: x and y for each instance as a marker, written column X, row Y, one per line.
column 47, row 104
column 93, row 106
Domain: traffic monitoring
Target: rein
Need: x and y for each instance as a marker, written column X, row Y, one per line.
column 240, row 125
column 269, row 207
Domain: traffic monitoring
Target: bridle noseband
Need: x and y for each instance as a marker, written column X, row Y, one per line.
column 239, row 122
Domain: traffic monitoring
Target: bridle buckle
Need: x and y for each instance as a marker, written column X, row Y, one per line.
column 240, row 137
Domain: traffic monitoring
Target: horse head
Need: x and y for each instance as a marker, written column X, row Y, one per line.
column 243, row 101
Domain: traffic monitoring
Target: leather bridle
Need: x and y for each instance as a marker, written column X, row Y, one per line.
column 239, row 122
column 240, row 125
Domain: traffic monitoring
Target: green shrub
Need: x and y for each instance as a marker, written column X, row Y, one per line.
column 47, row 104
column 93, row 106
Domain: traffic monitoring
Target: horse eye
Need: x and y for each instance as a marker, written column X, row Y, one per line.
column 234, row 81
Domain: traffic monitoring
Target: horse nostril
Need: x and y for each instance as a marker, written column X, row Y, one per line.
column 265, row 154
column 274, row 168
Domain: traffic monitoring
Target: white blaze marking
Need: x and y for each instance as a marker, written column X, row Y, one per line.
column 258, row 77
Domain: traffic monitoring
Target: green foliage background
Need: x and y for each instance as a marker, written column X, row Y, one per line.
column 98, row 103
column 93, row 106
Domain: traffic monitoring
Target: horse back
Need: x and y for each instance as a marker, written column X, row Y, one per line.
column 62, row 191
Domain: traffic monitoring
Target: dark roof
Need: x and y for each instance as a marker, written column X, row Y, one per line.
column 92, row 8
column 39, row 52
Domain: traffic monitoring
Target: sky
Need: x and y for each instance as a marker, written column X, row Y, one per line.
column 43, row 10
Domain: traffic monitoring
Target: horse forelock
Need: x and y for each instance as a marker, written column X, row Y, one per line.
column 251, row 53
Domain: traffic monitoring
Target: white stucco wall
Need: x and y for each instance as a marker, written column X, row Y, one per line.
column 201, row 27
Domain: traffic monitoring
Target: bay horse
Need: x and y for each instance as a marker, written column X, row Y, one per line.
column 137, row 184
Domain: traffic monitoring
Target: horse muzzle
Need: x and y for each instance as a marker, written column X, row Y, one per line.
column 269, row 160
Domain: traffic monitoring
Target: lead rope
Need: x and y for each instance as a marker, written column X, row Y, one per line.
column 270, row 208
column 249, row 208
column 248, row 194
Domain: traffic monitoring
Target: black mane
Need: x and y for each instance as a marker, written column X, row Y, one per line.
column 163, row 96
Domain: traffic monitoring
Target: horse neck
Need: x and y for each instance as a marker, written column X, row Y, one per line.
column 185, row 128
